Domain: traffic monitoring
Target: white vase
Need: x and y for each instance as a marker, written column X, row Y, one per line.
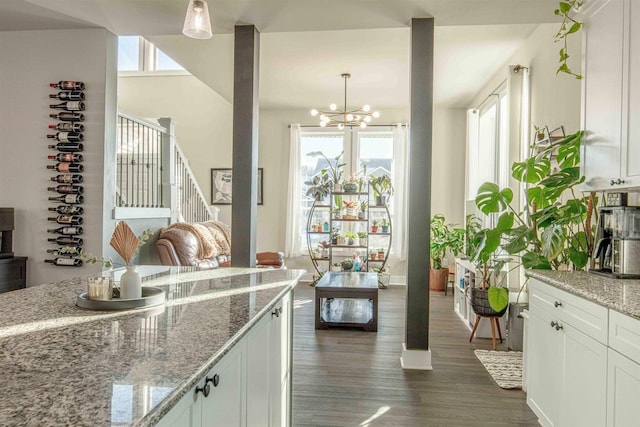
column 130, row 284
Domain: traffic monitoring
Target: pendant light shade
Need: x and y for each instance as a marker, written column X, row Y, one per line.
column 197, row 24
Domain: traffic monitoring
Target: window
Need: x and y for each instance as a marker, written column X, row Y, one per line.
column 138, row 55
column 370, row 150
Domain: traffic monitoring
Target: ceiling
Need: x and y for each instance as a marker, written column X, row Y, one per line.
column 307, row 44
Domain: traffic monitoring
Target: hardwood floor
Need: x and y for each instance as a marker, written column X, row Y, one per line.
column 353, row 378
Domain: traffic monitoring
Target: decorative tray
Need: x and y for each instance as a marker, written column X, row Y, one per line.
column 151, row 296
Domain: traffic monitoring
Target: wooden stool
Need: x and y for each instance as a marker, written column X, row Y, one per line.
column 493, row 320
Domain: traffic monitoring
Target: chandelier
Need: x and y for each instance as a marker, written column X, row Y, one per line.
column 341, row 117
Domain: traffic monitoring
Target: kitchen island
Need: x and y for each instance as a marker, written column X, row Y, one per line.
column 63, row 365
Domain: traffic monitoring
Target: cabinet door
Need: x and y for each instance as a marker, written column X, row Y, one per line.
column 545, row 363
column 258, row 372
column 623, row 391
column 279, row 364
column 584, row 388
column 225, row 406
column 187, row 412
column 631, row 144
column 602, row 110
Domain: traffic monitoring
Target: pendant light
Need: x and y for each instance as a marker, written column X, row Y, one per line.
column 197, row 23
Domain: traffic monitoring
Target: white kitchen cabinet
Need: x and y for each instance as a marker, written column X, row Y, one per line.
column 611, row 96
column 567, row 367
column 250, row 385
column 602, row 96
column 623, row 391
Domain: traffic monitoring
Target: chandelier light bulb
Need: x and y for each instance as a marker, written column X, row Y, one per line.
column 323, row 124
column 349, row 117
column 367, row 119
column 333, row 107
column 340, row 126
column 363, row 125
column 366, row 108
column 376, row 114
column 314, row 112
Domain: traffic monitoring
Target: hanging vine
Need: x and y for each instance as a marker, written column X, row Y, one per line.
column 569, row 26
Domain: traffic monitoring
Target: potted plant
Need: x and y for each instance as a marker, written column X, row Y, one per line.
column 362, row 238
column 373, row 254
column 337, row 213
column 336, row 266
column 341, row 240
column 374, row 226
column 443, row 237
column 335, row 233
column 350, row 237
column 334, row 169
column 381, row 253
column 319, row 187
column 382, row 188
column 384, row 224
column 347, row 264
column 351, row 209
column 363, row 209
column 350, row 185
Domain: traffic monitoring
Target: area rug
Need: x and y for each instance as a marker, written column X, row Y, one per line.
column 505, row 367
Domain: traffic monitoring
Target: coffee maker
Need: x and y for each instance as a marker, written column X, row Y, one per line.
column 616, row 252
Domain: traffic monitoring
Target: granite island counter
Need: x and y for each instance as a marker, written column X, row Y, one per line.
column 63, row 365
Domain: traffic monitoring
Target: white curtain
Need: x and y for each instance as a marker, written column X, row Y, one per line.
column 400, row 180
column 292, row 244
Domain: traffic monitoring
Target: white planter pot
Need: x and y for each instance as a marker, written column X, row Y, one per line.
column 130, row 284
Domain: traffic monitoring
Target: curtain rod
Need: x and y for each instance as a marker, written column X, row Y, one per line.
column 333, row 127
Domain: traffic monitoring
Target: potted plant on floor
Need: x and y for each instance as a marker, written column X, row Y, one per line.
column 443, row 237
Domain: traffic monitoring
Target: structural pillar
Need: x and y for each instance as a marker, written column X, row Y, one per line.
column 415, row 351
column 245, row 146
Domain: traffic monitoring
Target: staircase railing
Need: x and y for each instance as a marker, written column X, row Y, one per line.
column 153, row 172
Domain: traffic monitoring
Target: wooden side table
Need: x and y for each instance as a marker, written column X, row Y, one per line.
column 347, row 299
column 13, row 273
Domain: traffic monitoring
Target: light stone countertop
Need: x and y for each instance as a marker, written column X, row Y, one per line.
column 63, row 365
column 622, row 295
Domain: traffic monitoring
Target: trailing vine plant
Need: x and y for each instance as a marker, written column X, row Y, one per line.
column 569, row 26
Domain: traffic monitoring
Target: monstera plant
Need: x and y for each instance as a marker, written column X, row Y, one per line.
column 552, row 229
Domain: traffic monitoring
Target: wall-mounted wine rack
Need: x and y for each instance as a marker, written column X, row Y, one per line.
column 68, row 138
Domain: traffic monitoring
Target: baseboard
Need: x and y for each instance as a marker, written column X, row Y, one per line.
column 416, row 359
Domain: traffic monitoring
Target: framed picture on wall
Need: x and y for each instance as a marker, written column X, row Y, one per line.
column 221, row 180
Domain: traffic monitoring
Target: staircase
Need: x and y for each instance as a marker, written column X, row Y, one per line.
column 152, row 171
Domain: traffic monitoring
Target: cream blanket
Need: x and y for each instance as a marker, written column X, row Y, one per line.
column 214, row 237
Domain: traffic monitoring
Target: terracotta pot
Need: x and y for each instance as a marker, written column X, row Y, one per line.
column 374, row 228
column 438, row 279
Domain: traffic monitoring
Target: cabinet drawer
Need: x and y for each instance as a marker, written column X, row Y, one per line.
column 586, row 316
column 624, row 335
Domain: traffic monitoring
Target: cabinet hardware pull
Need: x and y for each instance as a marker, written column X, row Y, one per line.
column 557, row 304
column 556, row 325
column 276, row 312
column 215, row 380
column 204, row 390
column 616, row 181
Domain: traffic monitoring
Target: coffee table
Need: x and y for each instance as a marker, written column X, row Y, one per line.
column 347, row 299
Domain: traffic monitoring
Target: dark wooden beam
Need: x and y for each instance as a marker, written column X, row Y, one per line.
column 419, row 204
column 245, row 145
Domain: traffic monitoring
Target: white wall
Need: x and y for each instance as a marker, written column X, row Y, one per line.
column 203, row 119
column 30, row 61
column 555, row 100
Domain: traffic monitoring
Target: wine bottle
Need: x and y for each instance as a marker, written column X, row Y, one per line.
column 67, row 210
column 67, row 189
column 68, row 96
column 67, row 167
column 67, row 178
column 67, row 219
column 66, row 116
column 68, row 147
column 71, row 199
column 67, row 241
column 66, row 157
column 65, row 251
column 68, row 85
column 68, row 127
column 68, row 106
column 68, row 231
column 66, row 262
column 67, row 137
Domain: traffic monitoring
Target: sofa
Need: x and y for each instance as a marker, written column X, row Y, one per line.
column 205, row 245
